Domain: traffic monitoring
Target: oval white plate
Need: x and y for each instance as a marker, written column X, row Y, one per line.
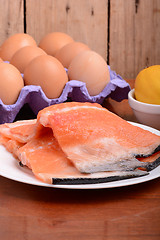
column 9, row 168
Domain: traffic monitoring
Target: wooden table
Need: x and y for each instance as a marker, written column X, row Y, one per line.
column 36, row 213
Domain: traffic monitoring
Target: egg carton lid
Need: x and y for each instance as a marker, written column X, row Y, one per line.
column 74, row 90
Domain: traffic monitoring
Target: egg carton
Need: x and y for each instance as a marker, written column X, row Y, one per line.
column 74, row 90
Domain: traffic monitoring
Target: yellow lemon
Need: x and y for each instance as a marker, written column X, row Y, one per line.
column 147, row 85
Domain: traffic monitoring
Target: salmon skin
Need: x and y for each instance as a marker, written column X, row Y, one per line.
column 112, row 176
column 153, row 165
column 95, row 139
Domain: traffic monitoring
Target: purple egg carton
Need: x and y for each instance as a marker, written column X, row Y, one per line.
column 74, row 90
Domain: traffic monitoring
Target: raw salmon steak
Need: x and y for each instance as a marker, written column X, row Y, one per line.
column 95, row 140
column 49, row 163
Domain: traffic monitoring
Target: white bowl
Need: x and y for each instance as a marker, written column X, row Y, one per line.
column 148, row 114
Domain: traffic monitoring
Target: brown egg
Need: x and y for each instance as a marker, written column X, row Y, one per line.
column 24, row 55
column 14, row 43
column 47, row 72
column 91, row 68
column 52, row 42
column 11, row 83
column 66, row 54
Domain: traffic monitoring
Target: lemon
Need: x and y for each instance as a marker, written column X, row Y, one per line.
column 147, row 85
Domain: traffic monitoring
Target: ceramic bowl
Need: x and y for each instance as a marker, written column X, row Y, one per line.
column 147, row 114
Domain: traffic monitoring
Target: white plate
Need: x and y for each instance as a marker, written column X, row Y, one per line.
column 10, row 168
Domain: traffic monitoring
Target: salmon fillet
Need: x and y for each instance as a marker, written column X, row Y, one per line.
column 49, row 163
column 95, row 139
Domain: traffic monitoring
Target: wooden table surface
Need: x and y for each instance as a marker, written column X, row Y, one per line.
column 37, row 213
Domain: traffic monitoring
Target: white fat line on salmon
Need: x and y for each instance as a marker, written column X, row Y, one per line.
column 44, row 121
column 67, row 109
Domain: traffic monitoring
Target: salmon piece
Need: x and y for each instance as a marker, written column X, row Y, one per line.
column 49, row 163
column 15, row 135
column 95, row 139
column 21, row 131
column 11, row 145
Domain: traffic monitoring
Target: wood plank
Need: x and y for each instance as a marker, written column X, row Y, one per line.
column 147, row 34
column 85, row 21
column 134, row 36
column 11, row 18
column 121, row 54
column 30, row 212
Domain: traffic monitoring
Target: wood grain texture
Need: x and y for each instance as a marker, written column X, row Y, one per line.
column 134, row 35
column 85, row 21
column 121, row 54
column 11, row 18
column 125, row 33
column 30, row 212
column 147, row 34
